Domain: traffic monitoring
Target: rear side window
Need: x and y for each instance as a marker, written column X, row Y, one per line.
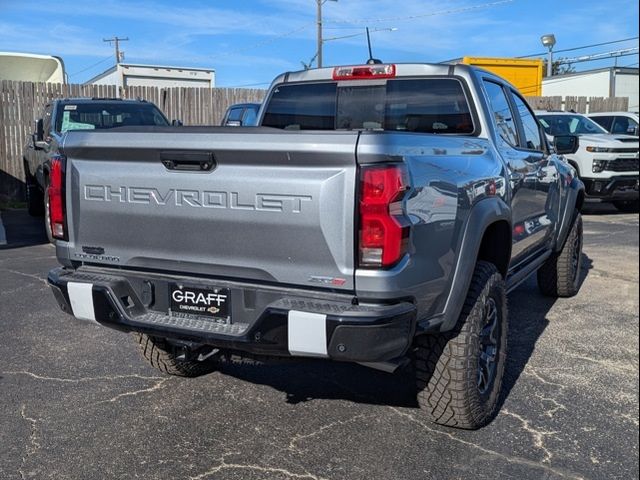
column 533, row 140
column 429, row 105
column 302, row 107
column 502, row 112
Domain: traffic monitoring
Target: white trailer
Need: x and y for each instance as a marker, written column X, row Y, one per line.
column 131, row 75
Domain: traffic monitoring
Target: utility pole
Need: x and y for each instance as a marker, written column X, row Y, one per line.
column 319, row 4
column 117, row 40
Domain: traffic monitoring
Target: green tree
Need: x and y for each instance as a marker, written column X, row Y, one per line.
column 559, row 67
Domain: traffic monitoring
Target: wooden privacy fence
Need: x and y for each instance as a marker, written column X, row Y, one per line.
column 21, row 103
column 580, row 104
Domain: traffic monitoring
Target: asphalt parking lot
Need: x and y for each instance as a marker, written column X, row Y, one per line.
column 79, row 402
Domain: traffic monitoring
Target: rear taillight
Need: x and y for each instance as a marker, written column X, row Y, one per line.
column 384, row 230
column 56, row 197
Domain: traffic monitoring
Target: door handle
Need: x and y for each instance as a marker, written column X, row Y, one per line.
column 188, row 161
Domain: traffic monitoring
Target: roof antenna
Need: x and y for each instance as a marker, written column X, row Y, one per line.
column 371, row 61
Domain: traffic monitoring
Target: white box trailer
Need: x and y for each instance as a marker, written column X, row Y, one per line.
column 130, row 75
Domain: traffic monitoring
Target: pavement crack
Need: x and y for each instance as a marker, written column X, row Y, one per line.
column 297, row 438
column 241, row 466
column 33, row 445
column 538, row 435
column 28, row 275
column 81, row 379
column 507, row 458
column 157, row 386
column 557, row 406
column 530, row 371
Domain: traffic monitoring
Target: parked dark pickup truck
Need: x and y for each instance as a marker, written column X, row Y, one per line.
column 67, row 114
column 379, row 215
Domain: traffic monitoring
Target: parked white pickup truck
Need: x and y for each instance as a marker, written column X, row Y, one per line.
column 606, row 163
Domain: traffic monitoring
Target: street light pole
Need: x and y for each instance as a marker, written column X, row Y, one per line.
column 549, row 40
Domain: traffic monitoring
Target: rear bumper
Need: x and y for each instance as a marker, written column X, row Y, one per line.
column 294, row 322
column 623, row 187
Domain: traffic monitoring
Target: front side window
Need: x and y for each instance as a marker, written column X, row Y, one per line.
column 567, row 124
column 426, row 105
column 235, row 114
column 532, row 138
column 501, row 112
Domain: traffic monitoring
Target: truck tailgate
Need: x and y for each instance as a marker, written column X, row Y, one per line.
column 273, row 206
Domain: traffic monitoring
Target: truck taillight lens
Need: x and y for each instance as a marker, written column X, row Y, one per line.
column 384, row 230
column 56, row 197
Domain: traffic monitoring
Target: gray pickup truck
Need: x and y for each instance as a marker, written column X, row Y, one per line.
column 64, row 114
column 379, row 214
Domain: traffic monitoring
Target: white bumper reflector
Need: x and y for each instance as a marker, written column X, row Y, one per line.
column 81, row 297
column 307, row 334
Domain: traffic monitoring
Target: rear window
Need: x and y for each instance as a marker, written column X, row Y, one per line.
column 97, row 116
column 432, row 105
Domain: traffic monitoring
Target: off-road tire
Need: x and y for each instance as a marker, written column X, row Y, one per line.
column 447, row 365
column 559, row 276
column 164, row 356
column 632, row 206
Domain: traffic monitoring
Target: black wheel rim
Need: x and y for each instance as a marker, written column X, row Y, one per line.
column 489, row 345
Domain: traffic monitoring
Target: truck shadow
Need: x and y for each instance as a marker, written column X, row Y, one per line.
column 307, row 380
column 22, row 230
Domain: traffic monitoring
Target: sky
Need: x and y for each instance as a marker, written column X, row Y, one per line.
column 249, row 42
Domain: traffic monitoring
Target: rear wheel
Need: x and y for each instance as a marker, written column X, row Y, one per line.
column 559, row 276
column 632, row 206
column 172, row 360
column 459, row 373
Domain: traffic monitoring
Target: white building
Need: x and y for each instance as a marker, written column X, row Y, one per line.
column 29, row 67
column 602, row 82
column 130, row 75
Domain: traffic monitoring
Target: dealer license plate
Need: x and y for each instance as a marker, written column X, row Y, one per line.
column 201, row 302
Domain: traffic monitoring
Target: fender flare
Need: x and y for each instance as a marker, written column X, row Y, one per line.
column 481, row 216
column 574, row 200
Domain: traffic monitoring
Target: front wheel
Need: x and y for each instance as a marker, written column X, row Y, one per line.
column 632, row 206
column 559, row 276
column 459, row 373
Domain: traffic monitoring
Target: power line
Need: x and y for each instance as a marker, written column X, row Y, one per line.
column 264, row 42
column 580, row 48
column 91, row 66
column 116, row 40
column 423, row 15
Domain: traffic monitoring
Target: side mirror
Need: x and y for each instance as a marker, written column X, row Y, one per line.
column 176, row 123
column 39, row 131
column 565, row 144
